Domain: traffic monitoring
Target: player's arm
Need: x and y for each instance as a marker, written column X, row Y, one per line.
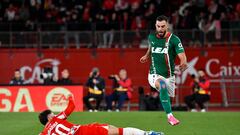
column 70, row 107
column 68, row 110
column 145, row 58
column 183, row 61
column 181, row 53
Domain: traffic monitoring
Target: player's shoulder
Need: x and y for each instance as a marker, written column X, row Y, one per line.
column 151, row 34
column 175, row 39
column 174, row 36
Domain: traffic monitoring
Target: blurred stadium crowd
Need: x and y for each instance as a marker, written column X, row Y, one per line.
column 117, row 14
column 113, row 23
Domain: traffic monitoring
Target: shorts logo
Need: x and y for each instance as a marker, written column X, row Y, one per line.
column 56, row 99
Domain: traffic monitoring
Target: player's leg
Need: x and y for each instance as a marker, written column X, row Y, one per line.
column 112, row 130
column 163, row 94
column 158, row 83
column 163, row 87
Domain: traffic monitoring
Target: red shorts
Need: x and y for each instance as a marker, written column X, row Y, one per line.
column 93, row 129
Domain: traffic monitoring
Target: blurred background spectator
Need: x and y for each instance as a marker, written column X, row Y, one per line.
column 140, row 13
column 96, row 87
column 201, row 94
column 149, row 101
column 105, row 23
column 111, row 24
column 122, row 90
column 48, row 76
column 65, row 78
column 141, row 97
column 17, row 79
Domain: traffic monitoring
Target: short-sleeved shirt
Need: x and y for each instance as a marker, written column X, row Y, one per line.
column 60, row 126
column 163, row 54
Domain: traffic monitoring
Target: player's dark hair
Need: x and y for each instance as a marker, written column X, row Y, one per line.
column 43, row 116
column 162, row 18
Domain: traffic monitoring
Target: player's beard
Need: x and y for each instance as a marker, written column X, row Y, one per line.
column 161, row 34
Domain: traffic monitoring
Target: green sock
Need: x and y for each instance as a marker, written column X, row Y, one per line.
column 164, row 97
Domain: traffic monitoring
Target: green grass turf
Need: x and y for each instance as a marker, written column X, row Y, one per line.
column 210, row 123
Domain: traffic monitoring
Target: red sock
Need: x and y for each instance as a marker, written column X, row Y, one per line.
column 120, row 130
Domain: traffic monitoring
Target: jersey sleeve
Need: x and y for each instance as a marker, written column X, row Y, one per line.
column 149, row 40
column 71, row 106
column 178, row 45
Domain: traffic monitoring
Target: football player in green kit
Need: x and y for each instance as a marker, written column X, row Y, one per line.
column 163, row 49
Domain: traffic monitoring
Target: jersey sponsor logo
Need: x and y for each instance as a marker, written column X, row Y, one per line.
column 159, row 50
column 167, row 44
column 56, row 99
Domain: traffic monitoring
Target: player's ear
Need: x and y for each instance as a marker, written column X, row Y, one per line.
column 50, row 116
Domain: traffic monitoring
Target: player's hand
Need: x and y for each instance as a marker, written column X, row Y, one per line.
column 183, row 67
column 144, row 59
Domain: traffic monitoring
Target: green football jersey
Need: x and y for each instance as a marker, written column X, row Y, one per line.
column 163, row 54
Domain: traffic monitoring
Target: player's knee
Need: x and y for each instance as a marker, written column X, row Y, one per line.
column 162, row 84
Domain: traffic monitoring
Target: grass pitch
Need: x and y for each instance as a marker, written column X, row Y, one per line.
column 210, row 123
